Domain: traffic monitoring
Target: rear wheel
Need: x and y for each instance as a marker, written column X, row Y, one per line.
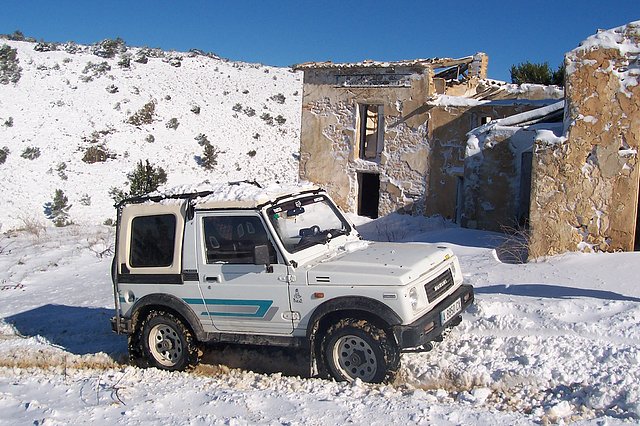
column 166, row 343
column 356, row 349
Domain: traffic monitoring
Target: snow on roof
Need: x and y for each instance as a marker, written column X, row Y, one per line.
column 525, row 118
column 206, row 195
column 368, row 63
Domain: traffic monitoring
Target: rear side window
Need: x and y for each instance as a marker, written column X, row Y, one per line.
column 152, row 241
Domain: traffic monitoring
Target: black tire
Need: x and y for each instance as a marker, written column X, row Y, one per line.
column 354, row 349
column 166, row 343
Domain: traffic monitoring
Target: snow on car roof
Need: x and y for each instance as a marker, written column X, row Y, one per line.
column 219, row 195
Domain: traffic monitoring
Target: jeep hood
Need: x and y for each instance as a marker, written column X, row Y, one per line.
column 379, row 264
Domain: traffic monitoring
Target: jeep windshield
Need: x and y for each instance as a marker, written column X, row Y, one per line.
column 308, row 221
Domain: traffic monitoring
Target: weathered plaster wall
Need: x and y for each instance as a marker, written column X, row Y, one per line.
column 329, row 138
column 585, row 186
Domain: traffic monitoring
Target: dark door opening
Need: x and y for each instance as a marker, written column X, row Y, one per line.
column 526, row 163
column 368, row 194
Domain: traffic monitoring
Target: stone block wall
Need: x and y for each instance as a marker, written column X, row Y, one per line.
column 585, row 185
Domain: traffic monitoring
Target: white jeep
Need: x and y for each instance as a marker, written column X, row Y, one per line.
column 242, row 264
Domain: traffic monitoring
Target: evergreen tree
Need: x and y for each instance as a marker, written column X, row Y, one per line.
column 528, row 72
column 209, row 156
column 145, row 178
column 58, row 209
column 558, row 75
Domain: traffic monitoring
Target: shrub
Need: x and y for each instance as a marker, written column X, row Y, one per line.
column 279, row 98
column 4, row 152
column 144, row 115
column 195, row 109
column 280, row 120
column 249, row 112
column 8, row 122
column 150, row 138
column 252, row 153
column 10, row 72
column 172, row 123
column 31, row 153
column 528, row 72
column 256, row 136
column 267, row 118
column 209, row 157
column 58, row 209
column 125, row 61
column 61, row 169
column 202, row 139
column 85, row 200
column 92, row 70
column 112, row 88
column 145, row 178
column 237, row 107
column 97, row 154
column 45, row 47
column 109, row 48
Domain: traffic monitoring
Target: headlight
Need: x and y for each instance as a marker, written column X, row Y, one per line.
column 413, row 298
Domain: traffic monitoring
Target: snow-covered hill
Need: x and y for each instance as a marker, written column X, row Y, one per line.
column 65, row 103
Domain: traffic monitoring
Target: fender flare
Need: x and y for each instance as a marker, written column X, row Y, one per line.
column 175, row 304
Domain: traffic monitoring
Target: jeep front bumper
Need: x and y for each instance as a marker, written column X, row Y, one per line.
column 429, row 327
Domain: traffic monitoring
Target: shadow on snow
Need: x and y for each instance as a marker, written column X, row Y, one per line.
column 552, row 291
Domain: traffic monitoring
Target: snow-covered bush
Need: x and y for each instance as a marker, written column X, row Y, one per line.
column 150, row 138
column 173, row 123
column 8, row 122
column 125, row 61
column 4, row 152
column 195, row 109
column 93, row 70
column 10, row 72
column 145, row 178
column 202, row 139
column 58, row 209
column 209, row 157
column 237, row 107
column 112, row 88
column 279, row 98
column 97, row 154
column 280, row 120
column 109, row 48
column 85, row 200
column 30, row 153
column 267, row 118
column 252, row 153
column 61, row 169
column 144, row 115
column 45, row 47
column 249, row 112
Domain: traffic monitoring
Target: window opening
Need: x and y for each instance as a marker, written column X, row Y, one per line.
column 371, row 131
column 152, row 241
column 232, row 239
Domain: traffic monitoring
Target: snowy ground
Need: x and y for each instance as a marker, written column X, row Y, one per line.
column 556, row 340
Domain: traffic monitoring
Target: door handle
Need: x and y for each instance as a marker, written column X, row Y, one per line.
column 215, row 279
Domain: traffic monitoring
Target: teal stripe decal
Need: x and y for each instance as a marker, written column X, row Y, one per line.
column 261, row 307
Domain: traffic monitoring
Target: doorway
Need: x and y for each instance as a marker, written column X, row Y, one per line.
column 368, row 194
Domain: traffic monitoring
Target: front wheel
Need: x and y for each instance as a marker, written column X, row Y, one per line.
column 356, row 349
column 166, row 343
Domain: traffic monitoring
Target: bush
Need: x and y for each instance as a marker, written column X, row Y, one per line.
column 209, row 157
column 31, row 153
column 249, row 112
column 61, row 169
column 279, row 98
column 172, row 123
column 145, row 178
column 4, row 152
column 150, row 138
column 97, row 154
column 58, row 209
column 144, row 115
column 109, row 48
column 252, row 153
column 45, row 47
column 195, row 109
column 202, row 139
column 112, row 88
column 10, row 72
column 8, row 122
column 237, row 107
column 85, row 200
column 267, row 118
column 92, row 71
column 280, row 120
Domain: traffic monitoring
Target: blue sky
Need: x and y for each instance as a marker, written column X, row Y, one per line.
column 286, row 32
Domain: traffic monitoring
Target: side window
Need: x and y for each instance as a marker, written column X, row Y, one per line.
column 232, row 239
column 152, row 241
column 371, row 134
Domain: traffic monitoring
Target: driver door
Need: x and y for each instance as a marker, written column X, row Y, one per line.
column 238, row 295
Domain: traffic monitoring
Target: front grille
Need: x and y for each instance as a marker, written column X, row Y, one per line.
column 438, row 286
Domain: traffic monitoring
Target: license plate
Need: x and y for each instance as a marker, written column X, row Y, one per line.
column 451, row 311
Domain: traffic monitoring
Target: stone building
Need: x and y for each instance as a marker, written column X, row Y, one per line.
column 390, row 136
column 568, row 170
column 584, row 193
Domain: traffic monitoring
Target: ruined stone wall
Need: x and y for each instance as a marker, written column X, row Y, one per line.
column 329, row 138
column 585, row 186
column 448, row 128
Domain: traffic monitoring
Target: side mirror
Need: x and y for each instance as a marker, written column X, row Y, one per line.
column 261, row 256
